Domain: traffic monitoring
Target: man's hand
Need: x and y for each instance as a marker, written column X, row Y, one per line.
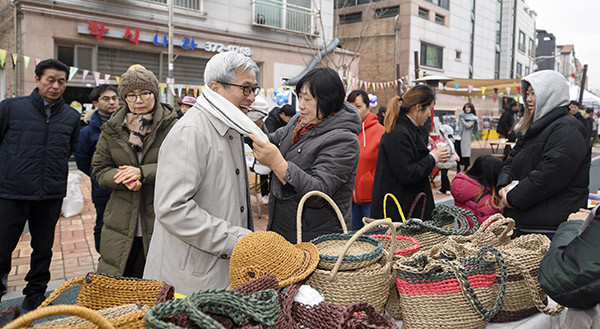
column 127, row 174
column 442, row 154
column 580, row 215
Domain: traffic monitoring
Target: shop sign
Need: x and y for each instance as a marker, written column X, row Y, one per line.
column 134, row 35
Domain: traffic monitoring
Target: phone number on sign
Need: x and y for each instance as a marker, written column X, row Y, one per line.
column 219, row 48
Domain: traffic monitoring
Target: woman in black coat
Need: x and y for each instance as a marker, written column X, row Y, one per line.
column 404, row 162
column 550, row 164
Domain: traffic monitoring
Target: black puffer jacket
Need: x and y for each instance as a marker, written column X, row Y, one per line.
column 570, row 270
column 34, row 148
column 551, row 161
column 403, row 168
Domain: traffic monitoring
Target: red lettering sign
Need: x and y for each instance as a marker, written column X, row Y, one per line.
column 130, row 36
column 97, row 29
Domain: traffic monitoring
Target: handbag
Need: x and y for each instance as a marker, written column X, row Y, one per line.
column 450, row 292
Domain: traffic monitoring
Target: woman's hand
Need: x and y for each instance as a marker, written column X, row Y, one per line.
column 582, row 214
column 127, row 174
column 134, row 186
column 269, row 155
column 442, row 154
column 503, row 194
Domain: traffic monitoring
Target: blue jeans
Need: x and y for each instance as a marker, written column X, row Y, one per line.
column 360, row 210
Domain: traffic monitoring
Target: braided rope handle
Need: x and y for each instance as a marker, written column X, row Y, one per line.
column 489, row 228
column 153, row 318
column 435, row 225
column 73, row 282
column 385, row 216
column 390, row 252
column 42, row 312
column 301, row 208
column 414, row 204
column 470, row 293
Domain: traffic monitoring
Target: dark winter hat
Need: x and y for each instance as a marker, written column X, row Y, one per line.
column 137, row 77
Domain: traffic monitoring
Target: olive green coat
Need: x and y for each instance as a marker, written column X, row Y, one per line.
column 124, row 207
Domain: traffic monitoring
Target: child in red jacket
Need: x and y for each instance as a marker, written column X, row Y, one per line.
column 475, row 190
column 369, row 139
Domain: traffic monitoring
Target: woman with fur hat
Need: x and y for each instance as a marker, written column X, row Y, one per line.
column 125, row 162
column 548, row 169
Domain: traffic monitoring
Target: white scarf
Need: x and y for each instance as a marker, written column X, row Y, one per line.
column 228, row 113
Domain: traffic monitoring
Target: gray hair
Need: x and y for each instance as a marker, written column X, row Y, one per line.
column 221, row 67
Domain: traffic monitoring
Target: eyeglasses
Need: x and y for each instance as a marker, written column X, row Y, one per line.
column 114, row 98
column 133, row 97
column 245, row 89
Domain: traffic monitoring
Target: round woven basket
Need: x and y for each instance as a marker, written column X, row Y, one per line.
column 405, row 245
column 42, row 312
column 368, row 284
column 362, row 253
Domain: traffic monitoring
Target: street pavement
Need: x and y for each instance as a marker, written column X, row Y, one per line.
column 74, row 254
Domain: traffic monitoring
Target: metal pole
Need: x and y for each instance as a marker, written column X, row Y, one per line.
column 416, row 65
column 396, row 52
column 16, row 36
column 582, row 85
column 170, row 99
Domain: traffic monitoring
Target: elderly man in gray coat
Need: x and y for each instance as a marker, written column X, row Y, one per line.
column 201, row 197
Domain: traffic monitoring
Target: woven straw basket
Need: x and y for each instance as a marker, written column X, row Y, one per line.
column 441, row 293
column 522, row 257
column 365, row 251
column 369, row 284
column 125, row 316
column 97, row 320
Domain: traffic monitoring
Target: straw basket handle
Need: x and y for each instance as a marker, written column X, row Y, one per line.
column 390, row 254
column 385, row 216
column 301, row 208
column 42, row 312
column 494, row 222
column 436, row 226
column 73, row 282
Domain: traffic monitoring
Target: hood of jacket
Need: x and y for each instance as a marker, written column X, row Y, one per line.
column 464, row 187
column 551, row 91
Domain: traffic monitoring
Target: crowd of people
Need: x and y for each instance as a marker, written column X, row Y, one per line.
column 170, row 186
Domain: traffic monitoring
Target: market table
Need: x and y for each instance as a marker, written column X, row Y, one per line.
column 536, row 321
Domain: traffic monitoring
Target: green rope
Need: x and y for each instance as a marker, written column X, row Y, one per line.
column 442, row 215
column 262, row 306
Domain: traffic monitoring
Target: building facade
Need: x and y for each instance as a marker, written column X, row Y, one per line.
column 99, row 40
column 518, row 39
column 545, row 52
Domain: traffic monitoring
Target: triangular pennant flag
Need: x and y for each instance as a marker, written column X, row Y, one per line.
column 162, row 88
column 519, row 90
column 97, row 78
column 187, row 90
column 118, row 78
column 202, row 89
column 483, row 96
column 483, row 90
column 495, row 99
column 508, row 90
column 26, row 60
column 14, row 58
column 85, row 74
column 456, row 84
column 172, row 87
column 2, row 57
column 72, row 71
column 179, row 87
column 517, row 98
column 196, row 92
column 106, row 78
column 470, row 88
column 37, row 61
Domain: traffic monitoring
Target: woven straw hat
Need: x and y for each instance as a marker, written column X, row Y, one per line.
column 262, row 253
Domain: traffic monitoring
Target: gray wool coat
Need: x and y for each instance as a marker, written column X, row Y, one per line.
column 325, row 159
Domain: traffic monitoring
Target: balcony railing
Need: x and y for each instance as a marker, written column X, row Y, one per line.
column 187, row 4
column 283, row 15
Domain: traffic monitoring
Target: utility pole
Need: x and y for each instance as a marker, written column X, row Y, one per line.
column 582, row 85
column 396, row 74
column 170, row 99
column 16, row 40
column 416, row 65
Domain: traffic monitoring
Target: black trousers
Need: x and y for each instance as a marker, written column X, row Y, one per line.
column 445, row 181
column 99, row 223
column 264, row 184
column 42, row 217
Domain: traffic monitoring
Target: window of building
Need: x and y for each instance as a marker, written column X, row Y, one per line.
column 351, row 3
column 497, row 65
column 519, row 70
column 531, row 48
column 351, row 18
column 526, row 70
column 424, row 13
column 522, row 41
column 188, row 4
column 292, row 15
column 387, row 12
column 442, row 3
column 76, row 55
column 458, row 55
column 439, row 19
column 432, row 55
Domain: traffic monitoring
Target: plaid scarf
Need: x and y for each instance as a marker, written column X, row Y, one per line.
column 139, row 126
column 301, row 130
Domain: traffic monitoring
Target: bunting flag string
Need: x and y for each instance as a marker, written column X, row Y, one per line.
column 106, row 78
column 470, row 88
column 179, row 87
column 97, row 78
column 483, row 91
column 85, row 74
column 37, row 61
column 72, row 71
column 26, row 60
column 162, row 88
column 2, row 57
column 14, row 59
column 118, row 78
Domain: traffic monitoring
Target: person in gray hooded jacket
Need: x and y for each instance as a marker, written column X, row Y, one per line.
column 550, row 164
column 317, row 150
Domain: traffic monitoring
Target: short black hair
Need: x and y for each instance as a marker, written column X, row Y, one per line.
column 50, row 63
column 363, row 95
column 325, row 85
column 288, row 110
column 101, row 89
column 575, row 103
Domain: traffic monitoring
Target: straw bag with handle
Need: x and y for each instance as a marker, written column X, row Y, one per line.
column 450, row 293
column 94, row 317
column 369, row 284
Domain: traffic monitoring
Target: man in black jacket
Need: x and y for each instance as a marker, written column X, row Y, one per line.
column 279, row 117
column 38, row 133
